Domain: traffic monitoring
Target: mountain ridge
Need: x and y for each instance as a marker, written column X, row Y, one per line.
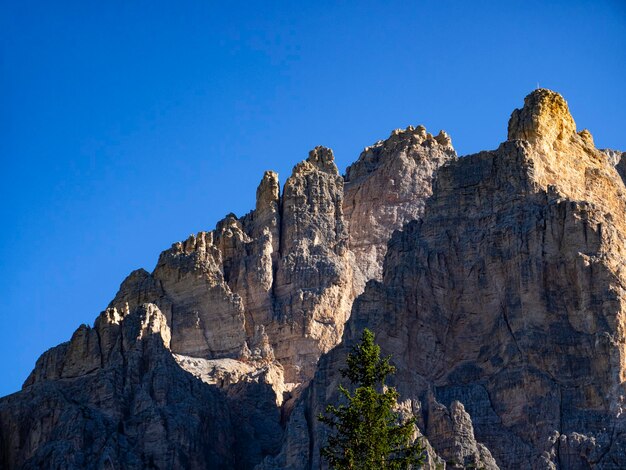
column 460, row 266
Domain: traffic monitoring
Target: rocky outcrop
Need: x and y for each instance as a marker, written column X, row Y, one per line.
column 506, row 301
column 451, row 433
column 235, row 318
column 274, row 285
column 387, row 187
column 496, row 281
column 617, row 158
column 137, row 410
column 314, row 280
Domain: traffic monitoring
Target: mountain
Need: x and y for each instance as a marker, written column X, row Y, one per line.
column 497, row 281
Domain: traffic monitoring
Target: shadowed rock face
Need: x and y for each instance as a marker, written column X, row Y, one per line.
column 137, row 410
column 496, row 281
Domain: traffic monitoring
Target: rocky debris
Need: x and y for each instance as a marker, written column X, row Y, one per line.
column 227, row 372
column 387, row 187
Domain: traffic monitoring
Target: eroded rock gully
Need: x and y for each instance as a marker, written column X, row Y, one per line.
column 496, row 281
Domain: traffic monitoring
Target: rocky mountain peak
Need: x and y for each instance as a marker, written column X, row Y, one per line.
column 401, row 141
column 544, row 118
column 268, row 191
column 323, row 158
column 496, row 283
column 562, row 161
column 412, row 136
column 503, row 305
column 386, row 188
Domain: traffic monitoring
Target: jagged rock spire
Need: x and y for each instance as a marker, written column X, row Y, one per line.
column 545, row 117
column 323, row 158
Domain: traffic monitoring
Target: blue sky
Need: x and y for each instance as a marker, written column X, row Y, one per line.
column 125, row 126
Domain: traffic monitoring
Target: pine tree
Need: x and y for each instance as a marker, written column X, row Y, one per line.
column 367, row 433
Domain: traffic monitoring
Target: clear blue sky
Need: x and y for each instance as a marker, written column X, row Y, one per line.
column 125, row 126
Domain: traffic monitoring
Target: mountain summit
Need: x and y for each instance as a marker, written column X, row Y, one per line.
column 497, row 281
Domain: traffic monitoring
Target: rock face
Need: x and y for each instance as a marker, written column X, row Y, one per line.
column 276, row 284
column 496, row 281
column 313, row 288
column 226, row 331
column 387, row 187
column 506, row 301
column 618, row 160
column 135, row 407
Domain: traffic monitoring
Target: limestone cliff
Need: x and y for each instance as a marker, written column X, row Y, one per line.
column 387, row 187
column 496, row 281
column 244, row 311
column 507, row 300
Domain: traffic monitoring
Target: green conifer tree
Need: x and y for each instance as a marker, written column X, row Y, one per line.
column 366, row 432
